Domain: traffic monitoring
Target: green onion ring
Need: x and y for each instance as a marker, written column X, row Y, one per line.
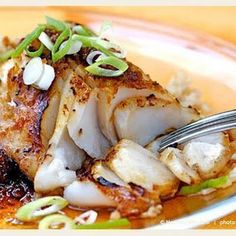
column 56, row 219
column 28, row 40
column 6, row 55
column 36, row 53
column 32, row 210
column 110, row 224
column 58, row 54
column 58, row 25
column 120, row 65
column 83, row 30
column 210, row 183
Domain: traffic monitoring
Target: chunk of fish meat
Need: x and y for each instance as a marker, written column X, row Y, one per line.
column 83, row 124
column 135, row 164
column 86, row 194
column 174, row 160
column 208, row 155
column 102, row 187
column 27, row 117
column 142, row 119
column 63, row 156
column 134, row 82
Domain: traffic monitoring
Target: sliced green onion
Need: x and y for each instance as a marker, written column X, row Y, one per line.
column 106, row 25
column 109, row 45
column 44, row 39
column 75, row 46
column 36, row 53
column 210, row 183
column 55, row 221
column 32, row 210
column 64, row 35
column 58, row 25
column 83, row 30
column 28, row 40
column 6, row 55
column 120, row 65
column 101, row 45
column 58, row 54
column 92, row 43
column 110, row 224
column 92, row 55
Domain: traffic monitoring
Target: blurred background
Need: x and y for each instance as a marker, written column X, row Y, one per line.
column 219, row 21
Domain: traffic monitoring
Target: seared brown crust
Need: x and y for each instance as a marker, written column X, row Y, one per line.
column 131, row 201
column 20, row 138
column 81, row 90
column 148, row 101
column 22, row 111
column 134, row 77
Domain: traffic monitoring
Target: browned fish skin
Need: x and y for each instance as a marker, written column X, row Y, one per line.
column 21, row 139
column 24, row 131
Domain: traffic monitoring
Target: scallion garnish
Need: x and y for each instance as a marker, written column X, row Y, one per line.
column 57, row 53
column 36, row 53
column 210, row 183
column 46, row 41
column 106, row 26
column 58, row 25
column 109, row 45
column 92, row 43
column 66, row 43
column 83, row 30
column 117, row 63
column 6, row 55
column 28, row 40
column 33, row 210
column 55, row 221
column 110, row 224
column 94, row 54
column 75, row 47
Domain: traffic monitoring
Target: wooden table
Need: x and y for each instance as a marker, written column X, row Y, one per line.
column 219, row 21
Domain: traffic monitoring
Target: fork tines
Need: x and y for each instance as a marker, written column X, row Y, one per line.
column 215, row 123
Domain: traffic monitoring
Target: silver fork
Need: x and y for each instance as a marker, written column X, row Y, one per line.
column 211, row 124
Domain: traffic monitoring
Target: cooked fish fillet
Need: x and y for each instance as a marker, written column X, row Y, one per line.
column 208, row 154
column 173, row 158
column 205, row 156
column 135, row 164
column 86, row 194
column 102, row 187
column 83, row 124
column 100, row 169
column 27, row 118
column 62, row 138
column 141, row 119
column 112, row 91
column 63, row 156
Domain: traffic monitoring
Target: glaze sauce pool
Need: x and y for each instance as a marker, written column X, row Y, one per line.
column 172, row 209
